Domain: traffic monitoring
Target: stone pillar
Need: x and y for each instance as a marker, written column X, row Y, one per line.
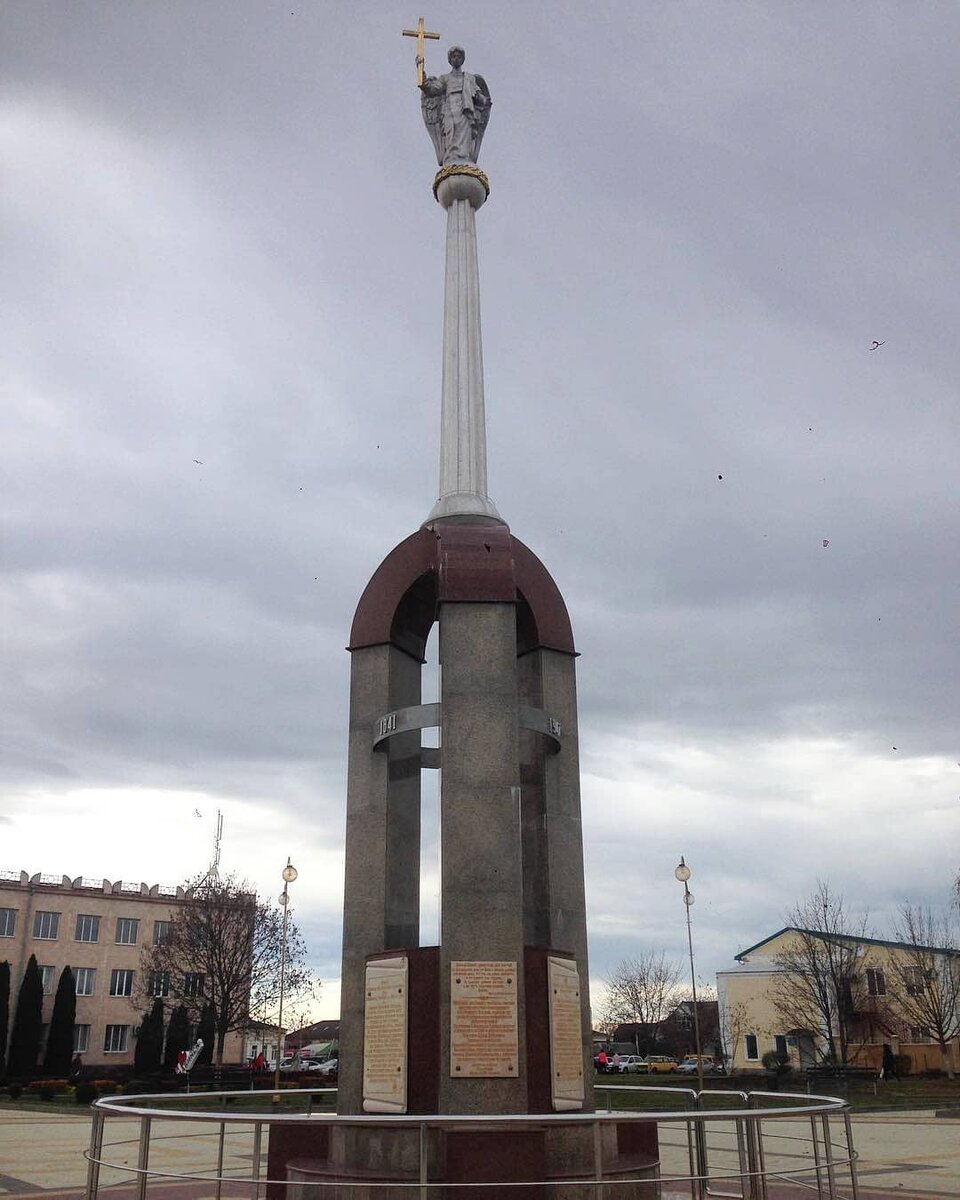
column 463, row 439
column 382, row 868
column 482, row 883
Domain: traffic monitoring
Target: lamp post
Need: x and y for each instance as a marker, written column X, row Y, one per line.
column 682, row 873
column 289, row 874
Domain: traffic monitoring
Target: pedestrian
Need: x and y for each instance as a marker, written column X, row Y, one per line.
column 602, row 1062
column 259, row 1063
column 76, row 1067
column 888, row 1068
column 616, row 1061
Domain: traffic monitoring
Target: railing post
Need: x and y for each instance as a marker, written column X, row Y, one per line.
column 143, row 1158
column 815, row 1142
column 761, row 1161
column 699, row 1136
column 828, row 1157
column 852, row 1156
column 96, row 1151
column 424, row 1173
column 257, row 1144
column 753, row 1159
column 220, row 1140
column 598, row 1159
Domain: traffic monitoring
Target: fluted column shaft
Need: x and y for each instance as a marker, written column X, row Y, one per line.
column 463, row 439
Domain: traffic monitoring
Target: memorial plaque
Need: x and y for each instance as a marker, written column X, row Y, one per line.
column 385, row 1036
column 566, row 1037
column 483, row 1020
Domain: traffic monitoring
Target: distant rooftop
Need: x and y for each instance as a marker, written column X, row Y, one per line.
column 86, row 883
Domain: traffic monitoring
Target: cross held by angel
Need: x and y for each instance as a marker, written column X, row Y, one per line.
column 456, row 109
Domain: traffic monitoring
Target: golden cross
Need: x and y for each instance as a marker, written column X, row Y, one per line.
column 420, row 33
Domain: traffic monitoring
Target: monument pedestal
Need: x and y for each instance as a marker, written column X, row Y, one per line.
column 383, row 1163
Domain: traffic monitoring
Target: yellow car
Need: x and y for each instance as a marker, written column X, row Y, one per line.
column 661, row 1064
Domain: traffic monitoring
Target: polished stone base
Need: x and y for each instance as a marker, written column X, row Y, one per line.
column 375, row 1162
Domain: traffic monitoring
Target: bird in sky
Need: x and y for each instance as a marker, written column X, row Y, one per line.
column 198, row 462
column 876, row 345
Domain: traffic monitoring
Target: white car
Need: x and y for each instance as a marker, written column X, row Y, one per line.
column 630, row 1064
column 689, row 1066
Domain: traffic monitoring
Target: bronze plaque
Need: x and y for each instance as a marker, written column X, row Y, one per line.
column 385, row 1036
column 566, row 1037
column 483, row 1020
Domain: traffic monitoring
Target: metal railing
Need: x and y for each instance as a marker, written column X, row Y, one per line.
column 770, row 1146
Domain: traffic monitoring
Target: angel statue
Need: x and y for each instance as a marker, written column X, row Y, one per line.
column 456, row 108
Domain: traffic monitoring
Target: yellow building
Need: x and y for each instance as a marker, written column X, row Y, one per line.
column 98, row 929
column 762, row 1009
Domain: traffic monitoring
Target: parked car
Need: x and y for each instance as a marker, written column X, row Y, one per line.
column 689, row 1065
column 630, row 1064
column 305, row 1064
column 328, row 1069
column 661, row 1064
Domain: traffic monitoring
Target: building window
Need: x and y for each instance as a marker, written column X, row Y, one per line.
column 780, row 1046
column 161, row 932
column 81, row 1039
column 913, row 980
column 127, row 929
column 193, row 983
column 919, row 1034
column 8, row 922
column 121, row 984
column 46, row 925
column 46, row 978
column 88, row 929
column 115, row 1039
column 161, row 983
column 876, row 984
column 85, row 978
column 751, row 1046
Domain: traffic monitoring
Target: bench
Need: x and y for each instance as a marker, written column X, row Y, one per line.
column 841, row 1076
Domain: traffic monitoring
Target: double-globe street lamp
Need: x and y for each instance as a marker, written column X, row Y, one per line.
column 288, row 874
column 682, row 873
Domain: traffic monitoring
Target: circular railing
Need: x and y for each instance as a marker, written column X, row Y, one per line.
column 765, row 1145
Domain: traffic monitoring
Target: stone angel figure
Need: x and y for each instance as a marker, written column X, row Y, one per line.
column 456, row 109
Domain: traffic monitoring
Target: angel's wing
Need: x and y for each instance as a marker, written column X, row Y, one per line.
column 431, row 107
column 482, row 114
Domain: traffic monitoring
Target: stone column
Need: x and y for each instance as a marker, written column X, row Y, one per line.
column 482, row 886
column 382, row 868
column 463, row 441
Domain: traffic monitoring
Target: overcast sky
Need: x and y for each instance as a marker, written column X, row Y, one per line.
column 220, row 244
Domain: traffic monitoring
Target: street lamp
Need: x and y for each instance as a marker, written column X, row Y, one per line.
column 682, row 874
column 288, row 874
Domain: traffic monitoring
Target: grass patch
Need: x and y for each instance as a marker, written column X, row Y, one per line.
column 895, row 1094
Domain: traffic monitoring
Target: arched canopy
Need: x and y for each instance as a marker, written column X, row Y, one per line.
column 453, row 562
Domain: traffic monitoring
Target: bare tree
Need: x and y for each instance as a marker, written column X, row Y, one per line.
column 925, row 984
column 822, row 987
column 223, row 949
column 644, row 990
column 735, row 1024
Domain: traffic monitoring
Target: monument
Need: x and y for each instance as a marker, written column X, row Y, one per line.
column 495, row 1019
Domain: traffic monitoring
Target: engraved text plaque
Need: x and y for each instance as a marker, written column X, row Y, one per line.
column 483, row 1020
column 385, row 1036
column 566, row 1039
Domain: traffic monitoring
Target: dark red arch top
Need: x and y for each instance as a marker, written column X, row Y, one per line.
column 459, row 562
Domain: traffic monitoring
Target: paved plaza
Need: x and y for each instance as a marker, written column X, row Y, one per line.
column 908, row 1155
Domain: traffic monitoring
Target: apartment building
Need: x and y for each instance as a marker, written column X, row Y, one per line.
column 98, row 928
column 752, row 1023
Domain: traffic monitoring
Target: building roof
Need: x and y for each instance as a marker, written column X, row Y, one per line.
column 836, row 937
column 320, row 1031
